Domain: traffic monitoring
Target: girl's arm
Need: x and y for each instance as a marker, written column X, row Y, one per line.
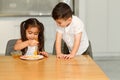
column 20, row 45
column 23, row 44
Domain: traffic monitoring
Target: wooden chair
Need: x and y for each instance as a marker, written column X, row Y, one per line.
column 64, row 48
column 9, row 47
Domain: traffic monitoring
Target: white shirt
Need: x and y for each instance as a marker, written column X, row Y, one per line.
column 75, row 27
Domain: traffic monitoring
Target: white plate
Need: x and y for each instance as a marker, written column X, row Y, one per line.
column 28, row 57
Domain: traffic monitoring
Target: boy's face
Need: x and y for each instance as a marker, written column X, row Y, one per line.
column 32, row 33
column 63, row 22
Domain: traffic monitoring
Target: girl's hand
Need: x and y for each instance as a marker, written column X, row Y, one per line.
column 33, row 42
column 43, row 53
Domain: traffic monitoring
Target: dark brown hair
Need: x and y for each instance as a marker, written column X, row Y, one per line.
column 32, row 22
column 62, row 11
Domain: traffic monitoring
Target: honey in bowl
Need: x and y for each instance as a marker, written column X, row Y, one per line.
column 35, row 53
column 16, row 54
column 36, row 49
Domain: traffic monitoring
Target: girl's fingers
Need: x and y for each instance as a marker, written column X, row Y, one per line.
column 44, row 54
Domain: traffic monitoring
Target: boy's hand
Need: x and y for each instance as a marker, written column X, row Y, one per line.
column 65, row 56
column 60, row 55
column 68, row 56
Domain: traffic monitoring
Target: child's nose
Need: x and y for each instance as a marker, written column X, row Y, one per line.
column 32, row 36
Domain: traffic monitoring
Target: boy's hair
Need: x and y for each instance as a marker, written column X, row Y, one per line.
column 32, row 22
column 62, row 11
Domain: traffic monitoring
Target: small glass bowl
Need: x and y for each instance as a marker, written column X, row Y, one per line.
column 16, row 54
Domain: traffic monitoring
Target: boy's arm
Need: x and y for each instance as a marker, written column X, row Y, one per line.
column 58, row 43
column 76, row 45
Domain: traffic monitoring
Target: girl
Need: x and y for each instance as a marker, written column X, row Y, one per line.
column 32, row 34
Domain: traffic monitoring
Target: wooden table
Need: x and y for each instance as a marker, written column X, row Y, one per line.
column 79, row 68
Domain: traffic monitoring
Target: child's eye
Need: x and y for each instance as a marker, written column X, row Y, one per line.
column 35, row 33
column 30, row 32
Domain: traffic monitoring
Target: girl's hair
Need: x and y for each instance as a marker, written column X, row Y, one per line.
column 62, row 11
column 32, row 22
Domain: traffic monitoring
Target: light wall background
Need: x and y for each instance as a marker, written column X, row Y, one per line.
column 101, row 19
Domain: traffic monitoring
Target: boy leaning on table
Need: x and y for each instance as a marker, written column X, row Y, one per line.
column 71, row 30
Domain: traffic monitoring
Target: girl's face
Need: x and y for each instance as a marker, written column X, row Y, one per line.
column 63, row 22
column 32, row 33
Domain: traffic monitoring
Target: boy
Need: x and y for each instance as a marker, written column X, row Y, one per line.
column 71, row 30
